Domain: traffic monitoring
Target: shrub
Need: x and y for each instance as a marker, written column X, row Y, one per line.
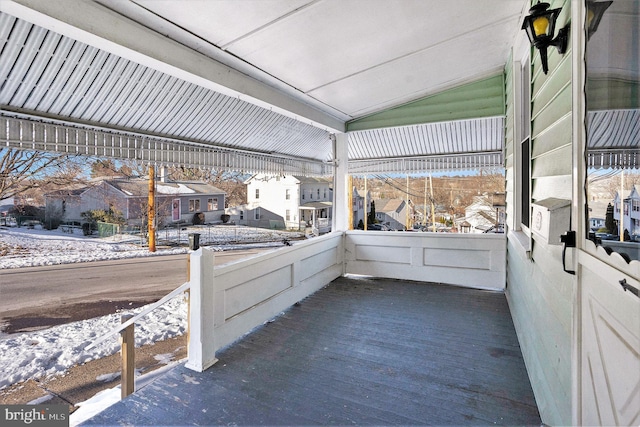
column 51, row 223
column 198, row 218
column 111, row 216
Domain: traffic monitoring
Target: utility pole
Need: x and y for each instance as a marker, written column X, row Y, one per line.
column 151, row 210
column 366, row 203
column 406, row 227
column 433, row 207
column 425, row 202
column 350, row 196
column 621, row 223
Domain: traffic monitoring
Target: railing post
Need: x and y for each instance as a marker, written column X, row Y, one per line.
column 127, row 349
column 188, row 297
column 201, row 347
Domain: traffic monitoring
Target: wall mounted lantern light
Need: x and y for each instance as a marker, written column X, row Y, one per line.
column 595, row 10
column 540, row 27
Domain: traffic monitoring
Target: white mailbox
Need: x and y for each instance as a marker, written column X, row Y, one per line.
column 550, row 219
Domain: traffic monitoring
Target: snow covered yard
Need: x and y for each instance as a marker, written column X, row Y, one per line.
column 53, row 351
column 25, row 247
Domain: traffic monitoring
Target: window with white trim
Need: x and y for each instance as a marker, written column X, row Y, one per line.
column 194, row 205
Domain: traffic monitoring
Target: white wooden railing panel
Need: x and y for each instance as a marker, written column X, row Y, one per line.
column 471, row 260
column 230, row 300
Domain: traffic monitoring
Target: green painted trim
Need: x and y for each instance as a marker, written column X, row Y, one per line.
column 482, row 98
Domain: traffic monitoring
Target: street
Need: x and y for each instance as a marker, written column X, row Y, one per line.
column 37, row 297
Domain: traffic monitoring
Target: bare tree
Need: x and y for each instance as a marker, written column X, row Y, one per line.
column 22, row 172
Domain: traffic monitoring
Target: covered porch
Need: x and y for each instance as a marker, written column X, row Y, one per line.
column 316, row 216
column 351, row 88
column 360, row 351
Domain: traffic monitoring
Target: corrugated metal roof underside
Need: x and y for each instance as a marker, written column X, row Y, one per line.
column 456, row 145
column 613, row 139
column 113, row 107
column 43, row 72
column 39, row 135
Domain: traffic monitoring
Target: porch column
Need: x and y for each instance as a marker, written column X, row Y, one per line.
column 341, row 202
column 151, row 210
column 201, row 345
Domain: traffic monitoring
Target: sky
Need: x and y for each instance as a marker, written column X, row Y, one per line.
column 54, row 350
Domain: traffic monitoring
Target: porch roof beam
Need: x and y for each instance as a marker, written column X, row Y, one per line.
column 28, row 134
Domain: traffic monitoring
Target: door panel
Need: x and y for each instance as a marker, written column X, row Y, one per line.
column 610, row 353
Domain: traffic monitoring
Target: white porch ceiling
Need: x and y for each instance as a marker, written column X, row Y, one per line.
column 273, row 77
column 356, row 57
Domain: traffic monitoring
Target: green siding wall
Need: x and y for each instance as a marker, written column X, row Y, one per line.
column 538, row 290
column 483, row 98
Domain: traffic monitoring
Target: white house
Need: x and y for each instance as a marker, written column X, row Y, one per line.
column 485, row 212
column 360, row 206
column 631, row 206
column 292, row 202
column 393, row 213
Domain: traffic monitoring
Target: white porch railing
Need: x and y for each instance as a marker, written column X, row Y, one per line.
column 230, row 300
column 472, row 260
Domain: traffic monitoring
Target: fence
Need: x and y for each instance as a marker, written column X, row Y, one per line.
column 106, row 229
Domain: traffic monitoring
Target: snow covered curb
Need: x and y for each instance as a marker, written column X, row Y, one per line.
column 54, row 350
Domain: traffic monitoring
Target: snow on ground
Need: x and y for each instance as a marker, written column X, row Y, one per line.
column 24, row 247
column 52, row 351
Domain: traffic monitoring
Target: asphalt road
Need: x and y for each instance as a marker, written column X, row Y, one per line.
column 36, row 297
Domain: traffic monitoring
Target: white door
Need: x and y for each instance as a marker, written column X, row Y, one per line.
column 610, row 344
column 608, row 311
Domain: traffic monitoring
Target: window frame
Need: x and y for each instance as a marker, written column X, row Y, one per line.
column 522, row 142
column 194, row 205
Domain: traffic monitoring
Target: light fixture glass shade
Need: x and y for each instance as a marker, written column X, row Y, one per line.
column 540, row 24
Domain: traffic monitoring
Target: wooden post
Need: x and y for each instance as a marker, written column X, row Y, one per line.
column 188, row 295
column 433, row 206
column 127, row 349
column 366, row 205
column 350, row 197
column 408, row 224
column 621, row 221
column 151, row 210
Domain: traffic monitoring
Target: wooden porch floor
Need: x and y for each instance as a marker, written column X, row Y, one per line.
column 359, row 352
